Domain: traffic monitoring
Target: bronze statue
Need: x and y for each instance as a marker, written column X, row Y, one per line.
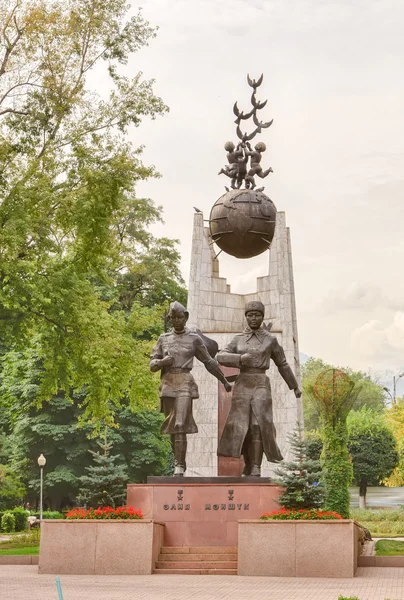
column 238, row 157
column 249, row 429
column 173, row 355
column 237, row 167
column 256, row 168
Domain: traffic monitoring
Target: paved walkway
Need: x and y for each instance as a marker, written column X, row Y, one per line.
column 24, row 583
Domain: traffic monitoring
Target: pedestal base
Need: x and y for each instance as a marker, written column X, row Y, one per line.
column 203, row 511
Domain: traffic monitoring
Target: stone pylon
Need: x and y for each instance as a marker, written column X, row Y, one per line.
column 220, row 314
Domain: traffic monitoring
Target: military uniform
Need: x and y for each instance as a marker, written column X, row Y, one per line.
column 178, row 388
column 251, row 399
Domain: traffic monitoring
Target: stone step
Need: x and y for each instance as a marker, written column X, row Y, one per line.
column 195, row 571
column 193, row 557
column 199, row 550
column 197, row 564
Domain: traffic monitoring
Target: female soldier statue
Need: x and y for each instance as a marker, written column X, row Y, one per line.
column 173, row 355
column 249, row 429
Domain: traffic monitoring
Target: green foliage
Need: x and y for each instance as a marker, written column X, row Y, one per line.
column 11, row 489
column 22, row 544
column 54, row 431
column 395, row 420
column 8, row 522
column 334, row 393
column 139, row 443
column 106, row 479
column 50, row 514
column 371, row 394
column 337, row 468
column 300, row 478
column 389, row 548
column 70, row 221
column 348, row 598
column 20, row 516
column 29, row 551
column 372, row 446
column 314, row 445
column 381, row 521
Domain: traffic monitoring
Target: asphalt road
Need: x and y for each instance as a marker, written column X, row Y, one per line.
column 379, row 497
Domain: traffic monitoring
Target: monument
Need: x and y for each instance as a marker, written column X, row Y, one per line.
column 202, row 503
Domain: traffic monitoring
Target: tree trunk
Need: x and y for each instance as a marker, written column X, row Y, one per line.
column 363, row 484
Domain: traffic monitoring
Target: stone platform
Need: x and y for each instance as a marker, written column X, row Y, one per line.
column 203, row 511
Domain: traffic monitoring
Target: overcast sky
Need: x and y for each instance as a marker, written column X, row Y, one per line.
column 333, row 74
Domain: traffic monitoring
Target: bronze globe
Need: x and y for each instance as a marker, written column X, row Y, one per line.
column 242, row 223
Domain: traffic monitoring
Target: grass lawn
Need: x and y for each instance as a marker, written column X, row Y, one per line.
column 381, row 522
column 31, row 550
column 23, row 544
column 389, row 548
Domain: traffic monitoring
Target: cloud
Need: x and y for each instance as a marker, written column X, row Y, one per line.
column 358, row 296
column 378, row 342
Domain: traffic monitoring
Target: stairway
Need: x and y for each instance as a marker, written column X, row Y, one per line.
column 214, row 560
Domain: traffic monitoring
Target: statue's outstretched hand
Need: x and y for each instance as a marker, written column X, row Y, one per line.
column 227, row 386
column 298, row 392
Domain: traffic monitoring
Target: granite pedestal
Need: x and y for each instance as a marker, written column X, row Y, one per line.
column 203, row 511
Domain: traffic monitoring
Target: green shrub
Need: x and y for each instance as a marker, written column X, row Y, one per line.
column 348, row 598
column 50, row 514
column 8, row 522
column 20, row 515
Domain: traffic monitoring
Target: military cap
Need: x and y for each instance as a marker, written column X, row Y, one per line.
column 254, row 305
column 176, row 307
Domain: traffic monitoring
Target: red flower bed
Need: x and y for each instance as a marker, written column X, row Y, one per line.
column 305, row 514
column 107, row 512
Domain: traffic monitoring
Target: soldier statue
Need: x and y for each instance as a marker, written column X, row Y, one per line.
column 173, row 355
column 249, row 429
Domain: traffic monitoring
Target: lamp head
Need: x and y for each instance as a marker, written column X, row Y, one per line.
column 42, row 461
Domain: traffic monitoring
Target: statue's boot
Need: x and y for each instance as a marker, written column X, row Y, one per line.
column 180, row 451
column 247, row 459
column 257, row 452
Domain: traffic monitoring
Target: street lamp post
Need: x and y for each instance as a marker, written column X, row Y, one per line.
column 386, row 389
column 41, row 463
column 395, row 379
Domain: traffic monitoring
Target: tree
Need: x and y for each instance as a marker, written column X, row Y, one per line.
column 373, row 449
column 139, row 442
column 371, row 393
column 54, row 430
column 105, row 482
column 395, row 420
column 12, row 491
column 300, row 478
column 335, row 393
column 70, row 222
